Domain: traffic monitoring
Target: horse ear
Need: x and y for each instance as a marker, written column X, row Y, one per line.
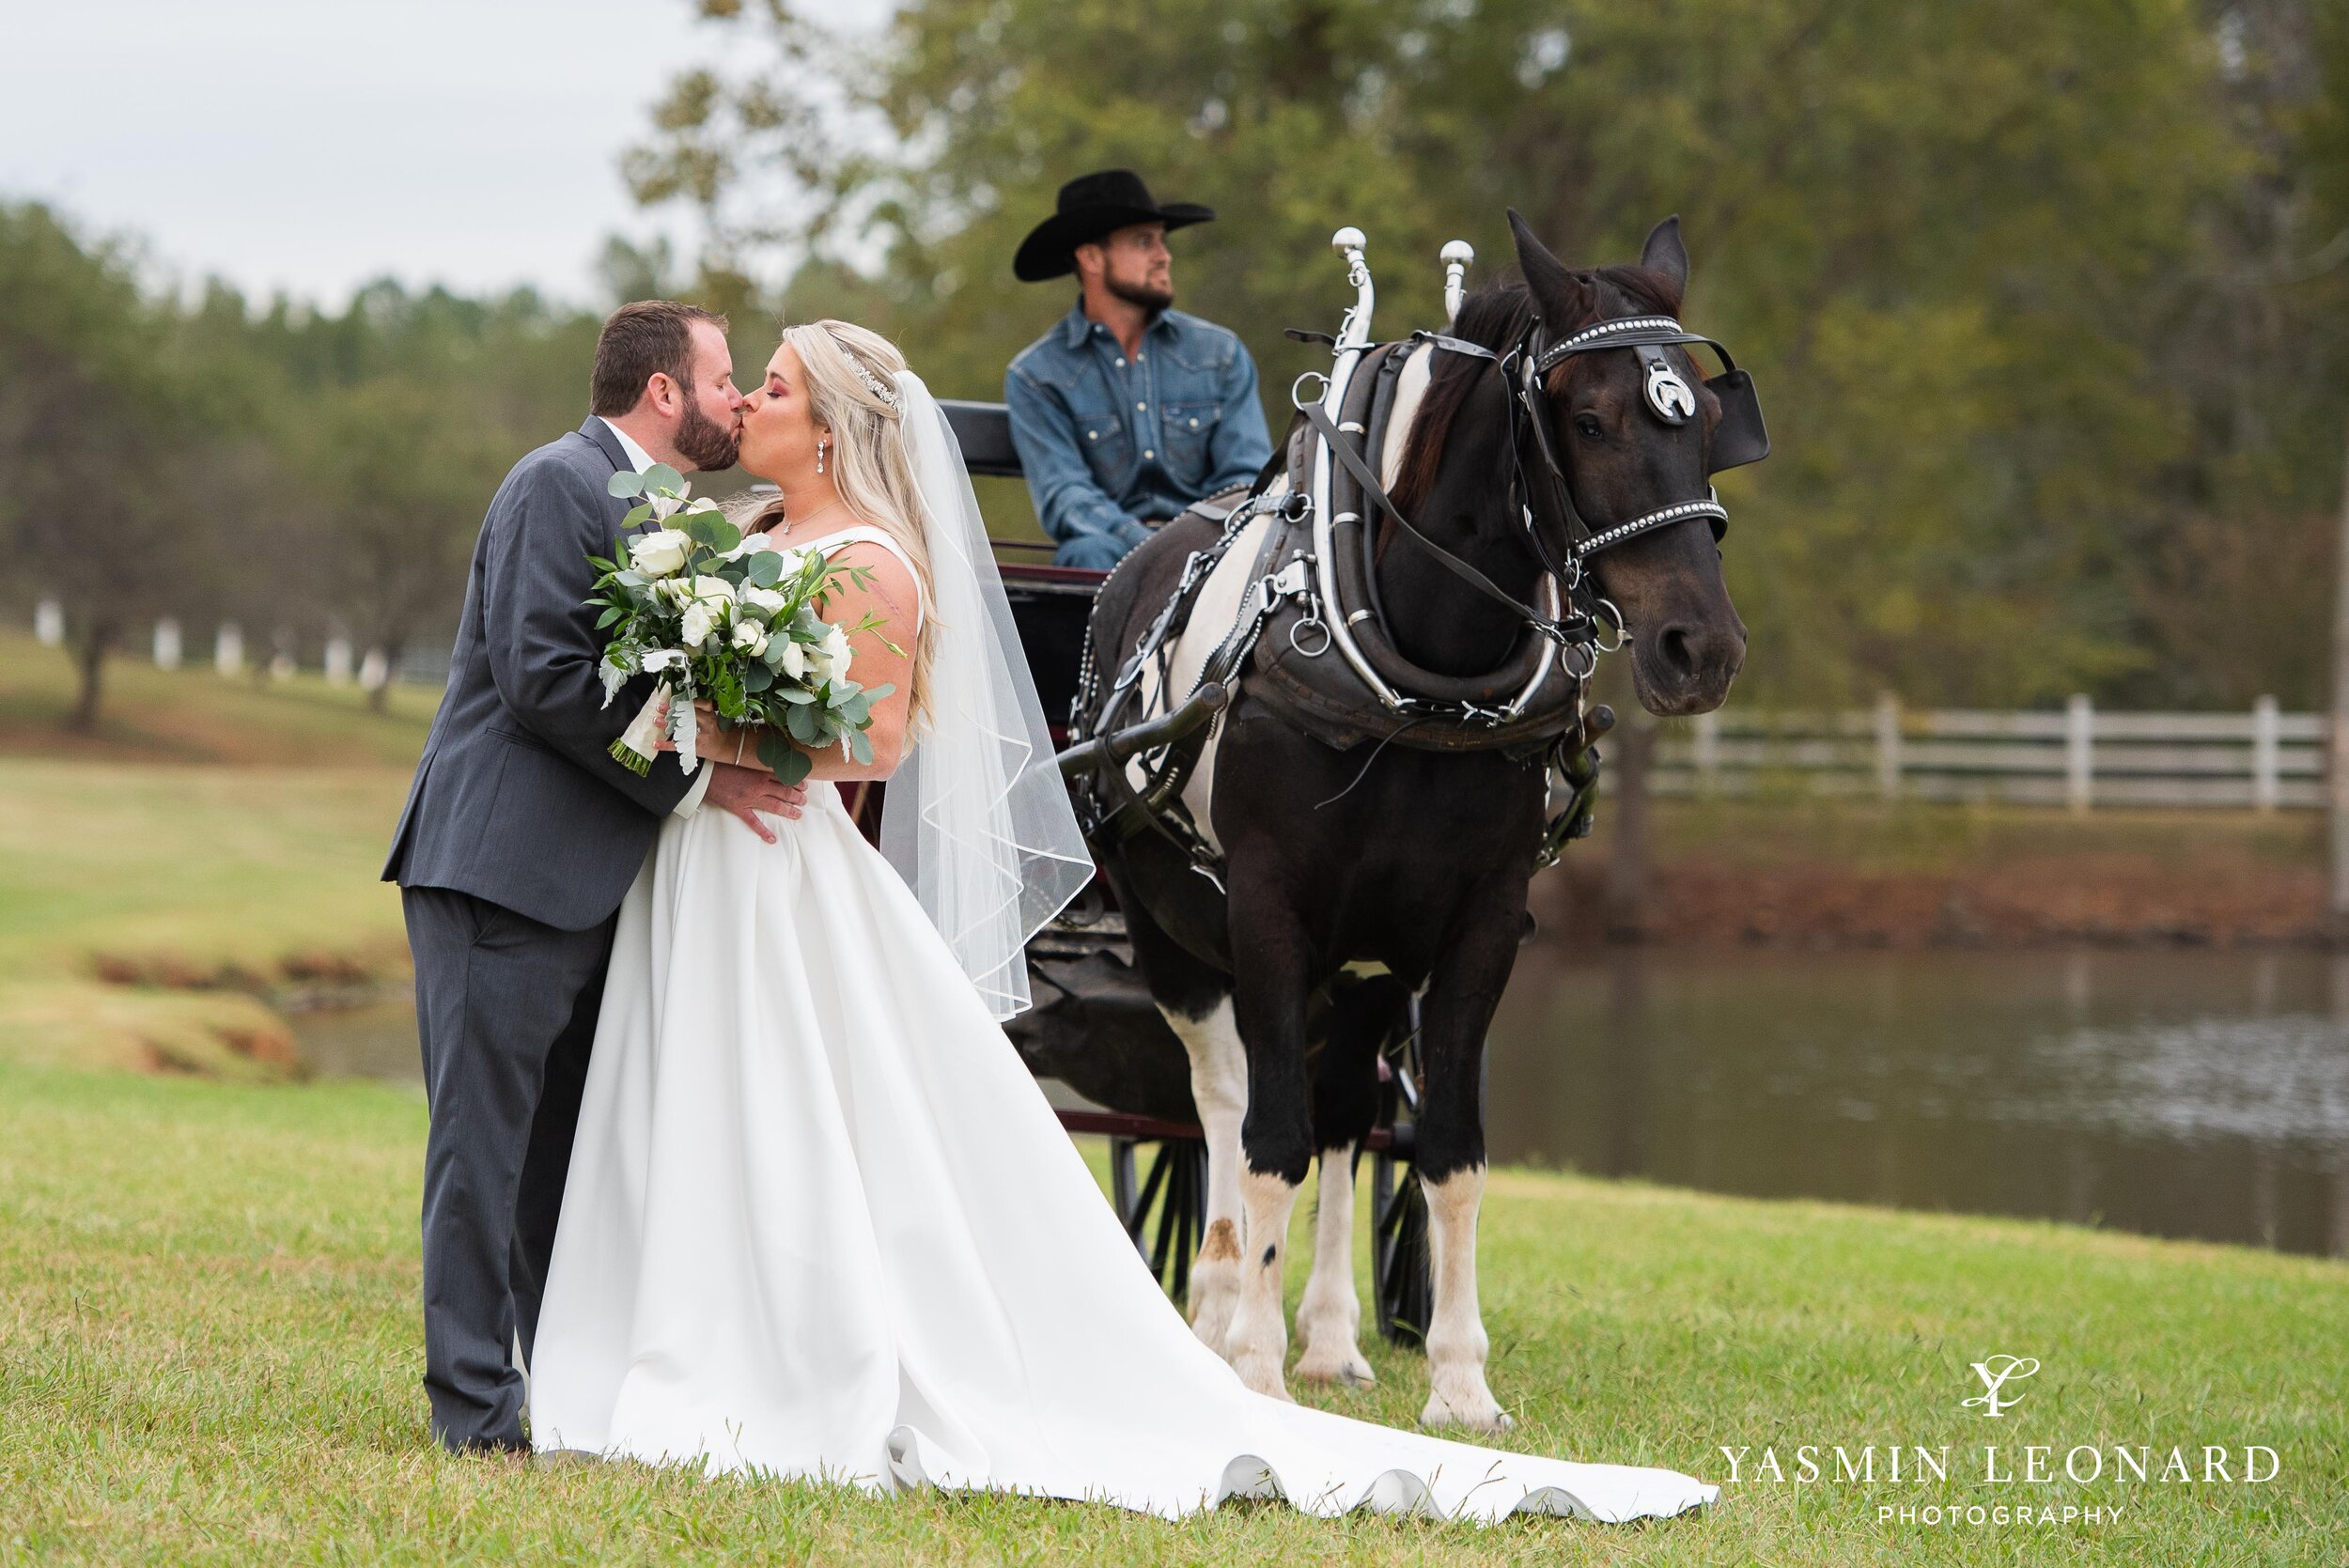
column 1562, row 295
column 1664, row 253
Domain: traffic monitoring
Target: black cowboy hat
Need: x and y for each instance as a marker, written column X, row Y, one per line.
column 1092, row 205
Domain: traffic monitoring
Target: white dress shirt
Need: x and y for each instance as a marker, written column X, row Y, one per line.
column 642, row 460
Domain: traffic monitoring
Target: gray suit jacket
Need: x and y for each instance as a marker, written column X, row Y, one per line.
column 518, row 799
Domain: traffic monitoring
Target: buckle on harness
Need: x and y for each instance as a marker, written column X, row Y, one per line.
column 1288, row 582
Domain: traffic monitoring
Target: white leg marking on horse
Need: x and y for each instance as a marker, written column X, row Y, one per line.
column 1330, row 1319
column 1457, row 1394
column 1218, row 1083
column 1258, row 1344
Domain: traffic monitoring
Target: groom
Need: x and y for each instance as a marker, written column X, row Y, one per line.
column 520, row 837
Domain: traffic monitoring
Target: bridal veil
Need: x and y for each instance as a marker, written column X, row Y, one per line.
column 977, row 819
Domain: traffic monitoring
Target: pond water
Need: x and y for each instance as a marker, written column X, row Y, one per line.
column 2200, row 1094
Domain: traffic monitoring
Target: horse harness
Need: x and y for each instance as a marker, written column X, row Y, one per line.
column 1532, row 708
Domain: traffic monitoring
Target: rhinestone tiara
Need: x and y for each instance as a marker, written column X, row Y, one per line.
column 872, row 382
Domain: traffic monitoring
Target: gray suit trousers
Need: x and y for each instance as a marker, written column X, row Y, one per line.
column 506, row 1008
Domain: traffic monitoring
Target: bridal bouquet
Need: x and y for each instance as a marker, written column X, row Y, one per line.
column 730, row 619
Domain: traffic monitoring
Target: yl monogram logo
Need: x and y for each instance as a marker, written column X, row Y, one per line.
column 1995, row 1373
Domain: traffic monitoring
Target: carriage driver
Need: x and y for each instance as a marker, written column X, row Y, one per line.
column 1127, row 410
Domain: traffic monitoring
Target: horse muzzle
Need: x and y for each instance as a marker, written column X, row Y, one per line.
column 1686, row 666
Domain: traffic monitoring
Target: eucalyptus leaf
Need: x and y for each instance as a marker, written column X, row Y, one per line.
column 758, row 679
column 860, row 748
column 764, row 569
column 661, row 478
column 804, row 726
column 637, row 517
column 789, row 763
column 793, row 694
column 626, row 483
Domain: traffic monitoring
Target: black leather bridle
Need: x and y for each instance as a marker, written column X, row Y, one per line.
column 1740, row 437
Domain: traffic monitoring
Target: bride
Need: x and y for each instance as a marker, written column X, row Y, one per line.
column 820, row 1222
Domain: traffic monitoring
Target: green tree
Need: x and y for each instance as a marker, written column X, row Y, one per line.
column 1953, row 242
column 402, row 470
column 109, row 426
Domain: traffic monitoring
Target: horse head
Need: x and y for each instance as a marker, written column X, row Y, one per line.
column 1633, row 434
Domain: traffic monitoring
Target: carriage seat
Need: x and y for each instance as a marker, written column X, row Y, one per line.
column 983, row 430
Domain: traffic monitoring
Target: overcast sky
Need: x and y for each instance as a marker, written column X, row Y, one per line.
column 313, row 145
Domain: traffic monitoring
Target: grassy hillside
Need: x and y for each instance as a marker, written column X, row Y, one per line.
column 209, row 1353
column 191, row 715
column 216, row 839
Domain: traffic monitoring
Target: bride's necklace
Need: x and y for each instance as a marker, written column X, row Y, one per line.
column 789, row 522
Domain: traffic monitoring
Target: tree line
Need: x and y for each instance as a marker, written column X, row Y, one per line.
column 2046, row 302
column 2049, row 305
column 301, row 473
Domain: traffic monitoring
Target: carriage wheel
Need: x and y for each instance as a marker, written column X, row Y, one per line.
column 1402, row 1267
column 1401, row 1271
column 1177, row 1188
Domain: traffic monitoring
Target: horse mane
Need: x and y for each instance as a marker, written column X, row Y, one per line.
column 1495, row 317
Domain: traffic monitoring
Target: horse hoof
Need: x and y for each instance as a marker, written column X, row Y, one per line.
column 1440, row 1413
column 1212, row 1323
column 1261, row 1374
column 1351, row 1370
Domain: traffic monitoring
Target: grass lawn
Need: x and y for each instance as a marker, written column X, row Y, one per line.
column 215, row 838
column 209, row 1352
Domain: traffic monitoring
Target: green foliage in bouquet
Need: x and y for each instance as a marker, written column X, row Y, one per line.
column 732, row 621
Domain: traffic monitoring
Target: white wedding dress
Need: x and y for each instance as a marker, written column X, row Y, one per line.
column 821, row 1222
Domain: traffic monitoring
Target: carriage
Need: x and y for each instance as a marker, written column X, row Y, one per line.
column 1094, row 1027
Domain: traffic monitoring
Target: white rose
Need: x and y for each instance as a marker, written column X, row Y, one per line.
column 659, row 554
column 669, row 506
column 765, row 601
column 700, row 621
column 792, row 560
column 794, row 659
column 751, row 639
column 836, row 651
column 716, row 589
column 663, row 658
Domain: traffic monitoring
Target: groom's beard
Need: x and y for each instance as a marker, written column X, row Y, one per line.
column 707, row 444
column 1148, row 296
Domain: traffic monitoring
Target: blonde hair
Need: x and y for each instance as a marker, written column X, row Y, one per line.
column 851, row 389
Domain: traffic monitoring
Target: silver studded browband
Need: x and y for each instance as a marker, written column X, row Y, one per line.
column 1710, row 507
column 1616, row 326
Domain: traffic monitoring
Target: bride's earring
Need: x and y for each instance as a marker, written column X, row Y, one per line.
column 819, row 455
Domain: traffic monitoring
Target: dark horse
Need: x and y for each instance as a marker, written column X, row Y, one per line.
column 1355, row 882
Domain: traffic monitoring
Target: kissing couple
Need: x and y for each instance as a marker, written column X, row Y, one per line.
column 730, row 1162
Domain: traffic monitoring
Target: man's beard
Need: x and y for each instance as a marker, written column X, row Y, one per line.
column 1148, row 296
column 707, row 444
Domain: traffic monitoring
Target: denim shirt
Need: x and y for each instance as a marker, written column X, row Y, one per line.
column 1107, row 445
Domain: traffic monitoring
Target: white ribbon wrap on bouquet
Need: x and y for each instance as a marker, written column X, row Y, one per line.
column 661, row 714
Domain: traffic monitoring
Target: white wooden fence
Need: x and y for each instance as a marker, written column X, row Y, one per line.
column 2078, row 758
